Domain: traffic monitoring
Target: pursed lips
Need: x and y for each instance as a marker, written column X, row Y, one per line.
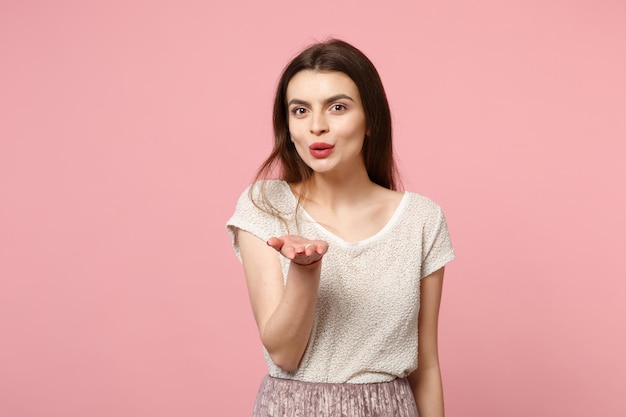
column 320, row 146
column 320, row 149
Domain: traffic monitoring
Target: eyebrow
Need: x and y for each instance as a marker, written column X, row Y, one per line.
column 327, row 101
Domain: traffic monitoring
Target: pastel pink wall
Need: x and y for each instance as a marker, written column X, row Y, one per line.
column 129, row 128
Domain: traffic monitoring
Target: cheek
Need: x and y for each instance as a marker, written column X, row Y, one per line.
column 297, row 135
column 357, row 129
column 294, row 131
column 355, row 124
column 296, row 141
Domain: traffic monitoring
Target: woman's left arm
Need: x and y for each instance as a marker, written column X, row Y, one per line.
column 426, row 379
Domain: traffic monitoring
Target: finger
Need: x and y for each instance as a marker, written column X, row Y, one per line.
column 310, row 249
column 289, row 252
column 321, row 247
column 276, row 243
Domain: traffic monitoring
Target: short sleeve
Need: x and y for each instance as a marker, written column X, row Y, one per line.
column 436, row 247
column 252, row 219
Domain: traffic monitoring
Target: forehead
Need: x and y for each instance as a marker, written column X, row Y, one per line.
column 311, row 84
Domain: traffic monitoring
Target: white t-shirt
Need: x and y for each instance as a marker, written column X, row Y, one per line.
column 365, row 327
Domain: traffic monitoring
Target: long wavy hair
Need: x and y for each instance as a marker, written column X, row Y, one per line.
column 340, row 56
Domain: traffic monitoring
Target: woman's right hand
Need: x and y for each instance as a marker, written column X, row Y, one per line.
column 299, row 250
column 284, row 307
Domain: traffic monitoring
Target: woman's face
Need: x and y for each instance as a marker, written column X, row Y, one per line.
column 326, row 120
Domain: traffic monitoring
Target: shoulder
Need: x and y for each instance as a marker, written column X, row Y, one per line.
column 423, row 212
column 266, row 187
column 274, row 194
column 259, row 190
column 422, row 204
column 259, row 209
column 269, row 199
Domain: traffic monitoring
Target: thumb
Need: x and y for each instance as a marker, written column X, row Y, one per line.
column 275, row 242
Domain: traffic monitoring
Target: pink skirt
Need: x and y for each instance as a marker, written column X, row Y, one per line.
column 288, row 398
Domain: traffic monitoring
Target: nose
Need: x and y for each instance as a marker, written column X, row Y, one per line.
column 319, row 124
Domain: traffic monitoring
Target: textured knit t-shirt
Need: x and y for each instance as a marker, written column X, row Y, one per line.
column 365, row 325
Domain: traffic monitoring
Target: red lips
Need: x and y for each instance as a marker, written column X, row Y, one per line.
column 320, row 150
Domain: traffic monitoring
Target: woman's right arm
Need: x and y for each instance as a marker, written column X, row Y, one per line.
column 284, row 313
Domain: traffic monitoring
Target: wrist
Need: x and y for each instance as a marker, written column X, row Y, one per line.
column 311, row 264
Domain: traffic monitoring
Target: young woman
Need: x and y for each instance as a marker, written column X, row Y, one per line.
column 344, row 272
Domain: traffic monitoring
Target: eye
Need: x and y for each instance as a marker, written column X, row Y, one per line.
column 298, row 111
column 338, row 107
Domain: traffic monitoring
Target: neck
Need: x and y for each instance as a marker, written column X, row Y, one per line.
column 338, row 190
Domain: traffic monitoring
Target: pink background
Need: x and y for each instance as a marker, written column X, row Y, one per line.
column 129, row 128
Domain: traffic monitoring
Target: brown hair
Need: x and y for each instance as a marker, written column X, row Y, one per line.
column 334, row 55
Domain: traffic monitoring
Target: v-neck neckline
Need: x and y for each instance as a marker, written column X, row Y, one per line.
column 400, row 208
